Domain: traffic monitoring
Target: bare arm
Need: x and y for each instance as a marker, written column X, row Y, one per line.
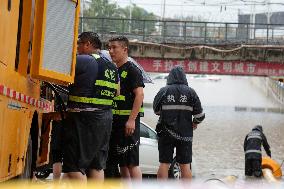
column 118, row 89
column 130, row 124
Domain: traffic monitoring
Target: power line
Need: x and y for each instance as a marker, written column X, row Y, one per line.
column 230, row 8
column 229, row 4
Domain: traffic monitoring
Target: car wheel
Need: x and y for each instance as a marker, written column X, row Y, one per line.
column 174, row 170
column 43, row 174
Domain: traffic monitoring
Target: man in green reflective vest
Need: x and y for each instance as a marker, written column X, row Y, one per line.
column 125, row 138
column 89, row 119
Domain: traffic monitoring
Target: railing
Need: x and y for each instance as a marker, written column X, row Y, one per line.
column 185, row 32
column 277, row 90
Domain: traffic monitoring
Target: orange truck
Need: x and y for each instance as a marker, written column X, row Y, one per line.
column 38, row 41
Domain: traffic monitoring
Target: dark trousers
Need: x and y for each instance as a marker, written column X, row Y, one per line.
column 253, row 167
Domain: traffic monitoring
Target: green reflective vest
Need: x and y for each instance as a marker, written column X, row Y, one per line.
column 104, row 88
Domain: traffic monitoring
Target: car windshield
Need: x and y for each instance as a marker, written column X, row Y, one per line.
column 147, row 132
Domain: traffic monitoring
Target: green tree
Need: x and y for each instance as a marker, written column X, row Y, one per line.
column 102, row 9
column 96, row 10
column 138, row 15
column 103, row 16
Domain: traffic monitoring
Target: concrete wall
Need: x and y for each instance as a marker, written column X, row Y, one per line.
column 246, row 53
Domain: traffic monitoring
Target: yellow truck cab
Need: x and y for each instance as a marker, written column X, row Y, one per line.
column 38, row 43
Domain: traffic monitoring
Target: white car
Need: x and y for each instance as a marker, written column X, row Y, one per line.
column 149, row 154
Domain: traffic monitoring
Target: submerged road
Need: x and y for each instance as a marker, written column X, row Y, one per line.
column 218, row 141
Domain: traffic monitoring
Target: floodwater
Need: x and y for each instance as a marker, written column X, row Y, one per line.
column 218, row 141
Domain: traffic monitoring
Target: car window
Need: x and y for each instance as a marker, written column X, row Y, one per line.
column 143, row 131
column 146, row 132
column 152, row 134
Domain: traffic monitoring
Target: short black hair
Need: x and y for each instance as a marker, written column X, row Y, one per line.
column 121, row 39
column 92, row 37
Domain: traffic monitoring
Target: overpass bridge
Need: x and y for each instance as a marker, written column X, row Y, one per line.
column 199, row 47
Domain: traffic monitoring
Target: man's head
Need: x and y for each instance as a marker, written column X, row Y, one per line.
column 88, row 43
column 118, row 49
column 258, row 127
column 177, row 76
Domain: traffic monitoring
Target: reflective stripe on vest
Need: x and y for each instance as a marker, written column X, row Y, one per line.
column 177, row 107
column 119, row 97
column 253, row 151
column 90, row 100
column 199, row 115
column 250, row 137
column 106, row 84
column 125, row 112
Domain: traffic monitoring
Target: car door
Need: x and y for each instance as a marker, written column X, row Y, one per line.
column 149, row 154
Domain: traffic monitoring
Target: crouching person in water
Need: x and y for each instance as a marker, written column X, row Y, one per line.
column 176, row 104
column 252, row 149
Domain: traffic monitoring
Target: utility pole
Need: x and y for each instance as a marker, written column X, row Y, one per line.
column 268, row 18
column 163, row 21
column 130, row 15
column 82, row 15
column 164, row 10
column 252, row 22
column 268, row 11
column 181, row 29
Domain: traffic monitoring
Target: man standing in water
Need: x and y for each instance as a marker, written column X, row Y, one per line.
column 176, row 104
column 252, row 149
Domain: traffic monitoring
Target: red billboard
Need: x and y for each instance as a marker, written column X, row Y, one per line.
column 213, row 67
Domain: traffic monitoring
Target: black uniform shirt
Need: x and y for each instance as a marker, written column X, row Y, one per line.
column 134, row 78
column 86, row 72
column 130, row 79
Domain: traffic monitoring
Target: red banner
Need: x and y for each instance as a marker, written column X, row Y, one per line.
column 213, row 67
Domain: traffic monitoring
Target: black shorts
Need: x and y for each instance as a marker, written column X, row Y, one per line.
column 125, row 150
column 86, row 140
column 56, row 141
column 166, row 145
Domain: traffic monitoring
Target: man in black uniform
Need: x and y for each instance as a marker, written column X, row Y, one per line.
column 176, row 104
column 125, row 139
column 89, row 119
column 252, row 149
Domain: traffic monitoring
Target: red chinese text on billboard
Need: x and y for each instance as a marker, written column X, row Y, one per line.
column 213, row 67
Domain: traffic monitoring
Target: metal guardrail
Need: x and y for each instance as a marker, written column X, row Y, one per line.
column 277, row 89
column 185, row 32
